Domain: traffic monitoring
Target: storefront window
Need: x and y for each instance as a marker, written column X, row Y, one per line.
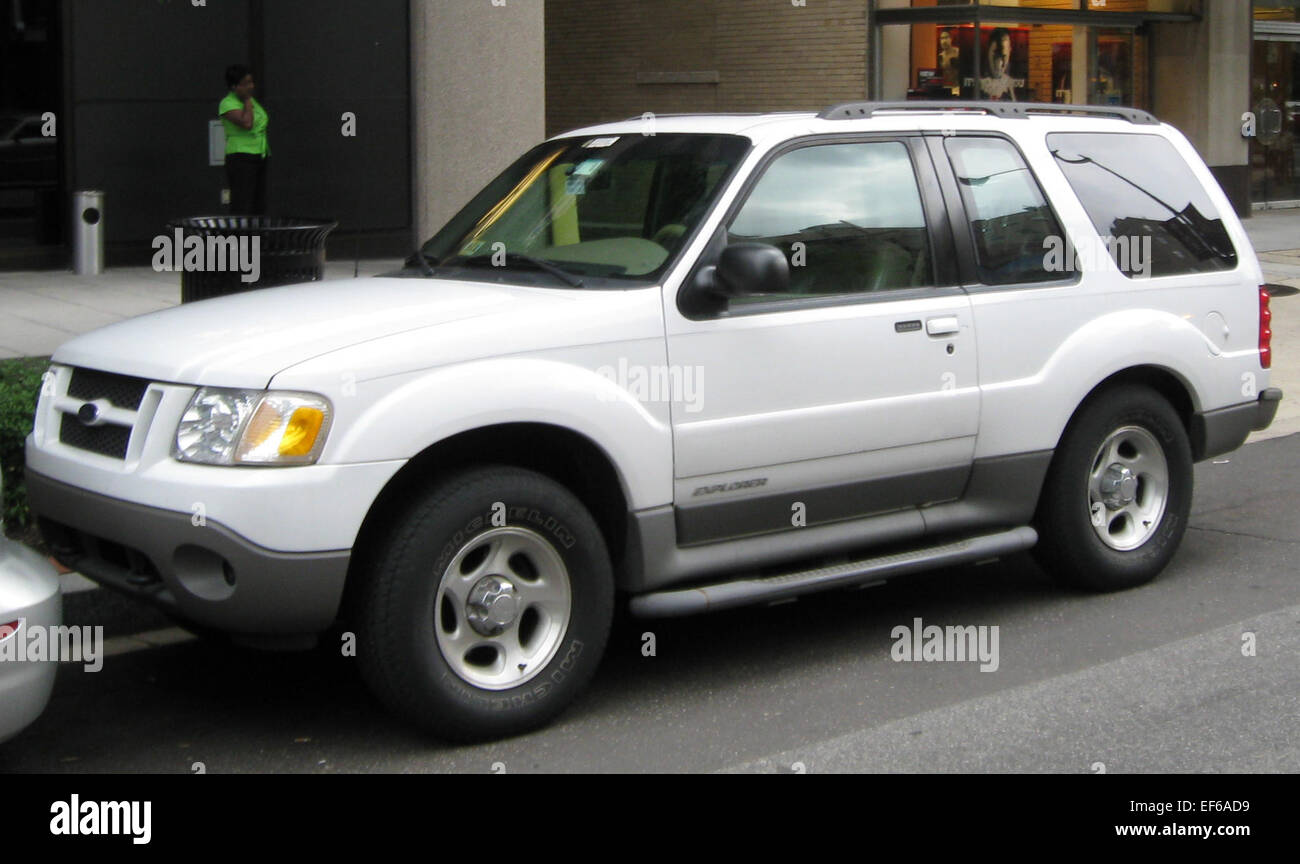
column 1063, row 63
column 1112, row 59
column 1072, row 52
column 1012, row 65
column 1275, row 102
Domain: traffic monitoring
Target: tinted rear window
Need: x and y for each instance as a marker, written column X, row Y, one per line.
column 1141, row 195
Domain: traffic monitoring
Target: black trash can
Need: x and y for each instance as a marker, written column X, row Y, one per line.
column 288, row 250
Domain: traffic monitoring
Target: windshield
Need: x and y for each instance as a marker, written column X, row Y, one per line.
column 615, row 207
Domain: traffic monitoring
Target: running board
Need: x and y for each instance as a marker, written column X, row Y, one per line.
column 770, row 589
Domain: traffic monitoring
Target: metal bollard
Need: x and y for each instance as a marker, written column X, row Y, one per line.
column 88, row 232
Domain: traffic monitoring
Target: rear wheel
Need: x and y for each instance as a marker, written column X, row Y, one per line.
column 1117, row 498
column 488, row 608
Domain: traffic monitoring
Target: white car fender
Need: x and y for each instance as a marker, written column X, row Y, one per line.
column 410, row 417
column 1102, row 347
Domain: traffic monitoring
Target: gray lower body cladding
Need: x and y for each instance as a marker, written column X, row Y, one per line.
column 1224, row 430
column 1001, row 492
column 205, row 574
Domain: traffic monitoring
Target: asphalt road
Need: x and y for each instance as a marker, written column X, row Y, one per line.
column 1149, row 680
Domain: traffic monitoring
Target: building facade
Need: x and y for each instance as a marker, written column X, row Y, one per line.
column 384, row 115
column 442, row 94
column 1200, row 64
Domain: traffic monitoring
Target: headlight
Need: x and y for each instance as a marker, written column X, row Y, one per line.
column 252, row 427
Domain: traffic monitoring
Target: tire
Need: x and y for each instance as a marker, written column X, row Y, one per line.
column 459, row 572
column 1116, row 502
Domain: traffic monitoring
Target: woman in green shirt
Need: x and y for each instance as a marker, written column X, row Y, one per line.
column 247, row 149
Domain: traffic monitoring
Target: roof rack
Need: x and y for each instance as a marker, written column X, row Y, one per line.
column 1018, row 110
column 665, row 116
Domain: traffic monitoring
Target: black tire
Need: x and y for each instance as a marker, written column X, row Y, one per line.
column 1070, row 548
column 398, row 647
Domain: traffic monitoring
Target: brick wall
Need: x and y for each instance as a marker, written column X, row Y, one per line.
column 612, row 59
column 609, row 59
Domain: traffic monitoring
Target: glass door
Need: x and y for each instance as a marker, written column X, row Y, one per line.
column 1275, row 101
column 31, row 186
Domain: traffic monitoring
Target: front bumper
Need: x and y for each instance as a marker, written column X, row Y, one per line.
column 1224, row 430
column 196, row 569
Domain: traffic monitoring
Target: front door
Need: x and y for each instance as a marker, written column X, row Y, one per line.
column 854, row 393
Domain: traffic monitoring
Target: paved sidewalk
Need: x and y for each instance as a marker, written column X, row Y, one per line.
column 1274, row 230
column 1275, row 235
column 41, row 310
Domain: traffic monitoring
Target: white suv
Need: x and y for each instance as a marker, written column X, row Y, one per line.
column 700, row 360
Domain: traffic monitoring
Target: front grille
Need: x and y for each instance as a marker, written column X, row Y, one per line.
column 106, row 440
column 121, row 390
column 117, row 395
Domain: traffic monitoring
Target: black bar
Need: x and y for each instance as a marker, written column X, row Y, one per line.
column 243, row 813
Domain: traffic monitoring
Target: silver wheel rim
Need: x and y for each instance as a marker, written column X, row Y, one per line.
column 502, row 608
column 1128, row 487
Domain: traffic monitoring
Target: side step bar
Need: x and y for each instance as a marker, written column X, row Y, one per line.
column 768, row 589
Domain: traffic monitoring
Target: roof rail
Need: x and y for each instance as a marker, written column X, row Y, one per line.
column 1020, row 110
column 659, row 116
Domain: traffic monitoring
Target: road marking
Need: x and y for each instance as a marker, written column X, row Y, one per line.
column 148, row 639
column 1193, row 705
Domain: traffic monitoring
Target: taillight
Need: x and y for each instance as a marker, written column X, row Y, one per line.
column 1265, row 331
column 9, row 629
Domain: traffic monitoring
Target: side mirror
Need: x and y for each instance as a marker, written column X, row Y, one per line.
column 751, row 268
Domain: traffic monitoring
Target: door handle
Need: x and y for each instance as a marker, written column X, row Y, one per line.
column 942, row 326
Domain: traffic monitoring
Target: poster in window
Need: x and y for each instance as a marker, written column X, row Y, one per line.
column 1004, row 69
column 949, row 56
column 1004, row 61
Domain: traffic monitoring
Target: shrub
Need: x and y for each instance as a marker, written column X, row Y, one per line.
column 20, row 384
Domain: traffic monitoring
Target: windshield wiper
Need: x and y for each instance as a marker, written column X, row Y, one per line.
column 423, row 261
column 520, row 258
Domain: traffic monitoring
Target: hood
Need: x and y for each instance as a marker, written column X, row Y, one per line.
column 244, row 339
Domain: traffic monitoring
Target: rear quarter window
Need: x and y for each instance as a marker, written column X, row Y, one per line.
column 1010, row 220
column 1147, row 205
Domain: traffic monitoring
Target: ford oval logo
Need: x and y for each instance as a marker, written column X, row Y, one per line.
column 88, row 413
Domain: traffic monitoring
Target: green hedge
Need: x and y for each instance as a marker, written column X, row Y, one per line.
column 20, row 384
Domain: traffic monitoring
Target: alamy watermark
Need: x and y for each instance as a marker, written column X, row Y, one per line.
column 1131, row 254
column 657, row 383
column 21, row 642
column 211, row 254
column 74, row 817
column 931, row 643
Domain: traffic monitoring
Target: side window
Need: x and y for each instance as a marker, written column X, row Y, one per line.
column 1009, row 218
column 1149, row 209
column 847, row 216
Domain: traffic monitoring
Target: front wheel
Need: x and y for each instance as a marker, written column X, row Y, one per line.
column 1117, row 498
column 488, row 607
